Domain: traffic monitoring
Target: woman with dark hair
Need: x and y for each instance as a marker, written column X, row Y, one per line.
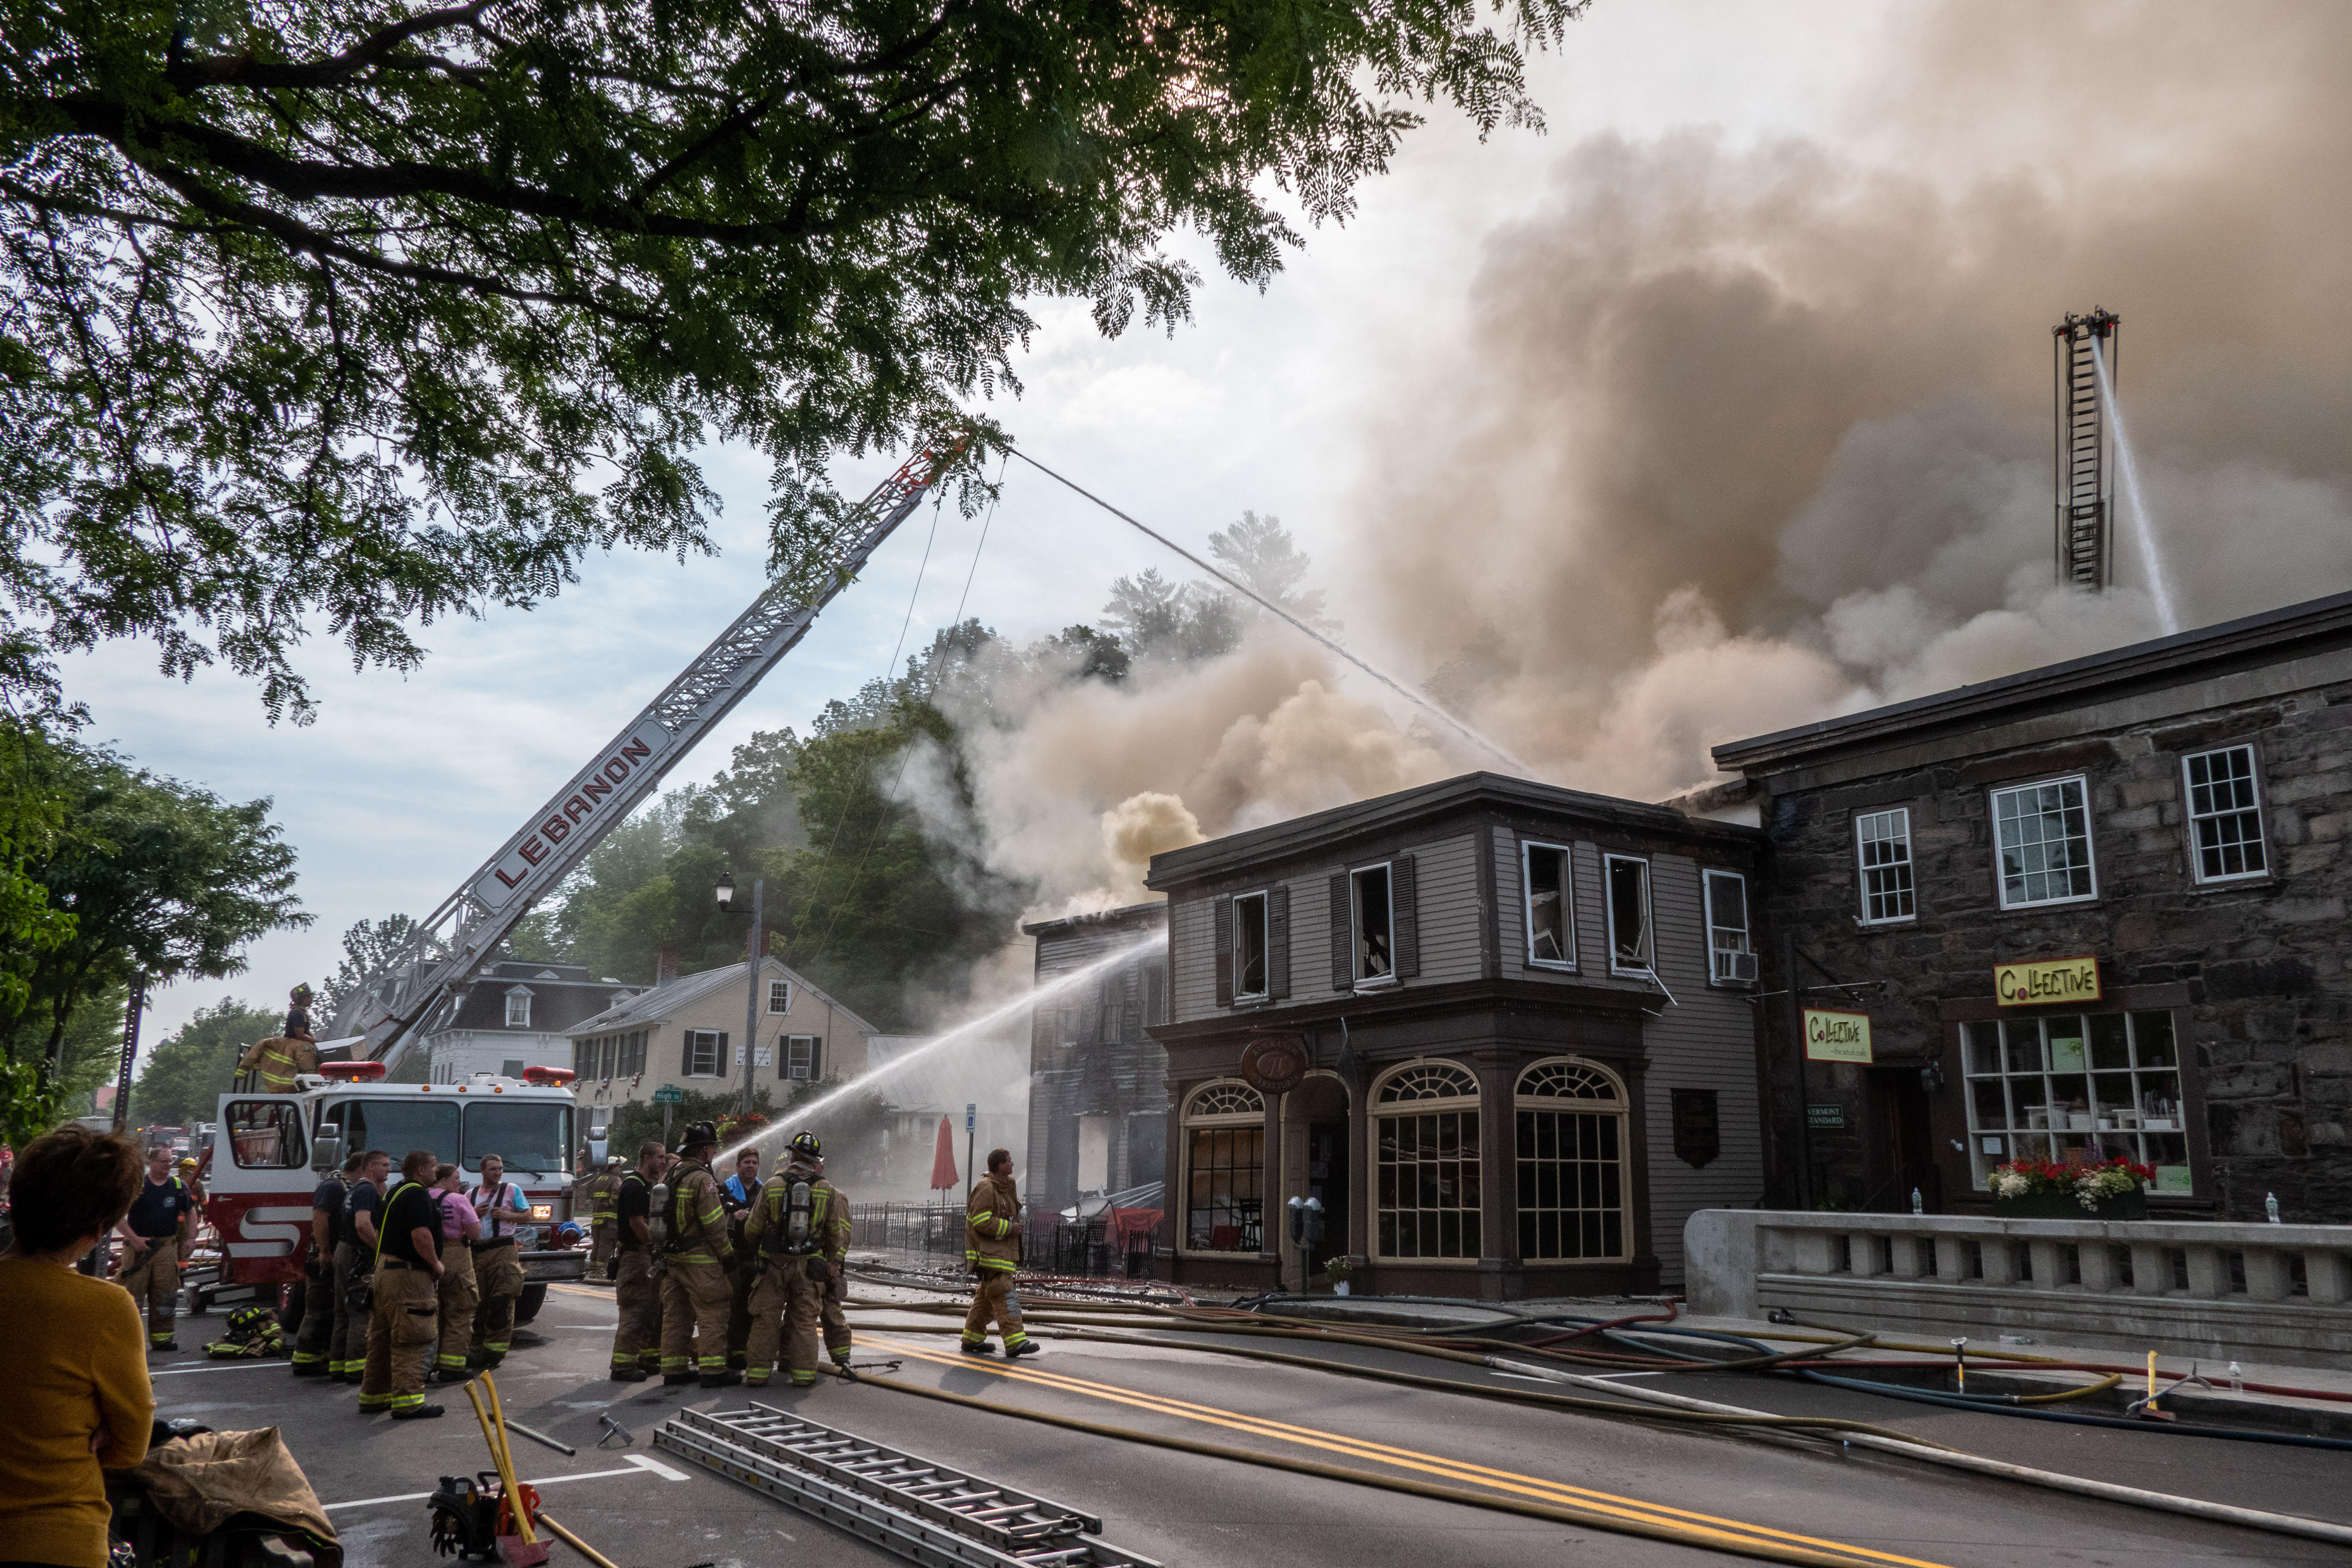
column 71, row 1360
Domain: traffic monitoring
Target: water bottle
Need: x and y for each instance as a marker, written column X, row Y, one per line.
column 2270, row 1206
column 2237, row 1379
column 1917, row 1206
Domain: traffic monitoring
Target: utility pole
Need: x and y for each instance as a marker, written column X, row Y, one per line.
column 130, row 1049
column 752, row 945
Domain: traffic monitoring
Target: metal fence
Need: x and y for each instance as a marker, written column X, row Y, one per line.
column 1050, row 1244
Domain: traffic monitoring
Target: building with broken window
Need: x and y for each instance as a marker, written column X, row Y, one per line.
column 1501, row 1032
column 1099, row 1081
column 2092, row 909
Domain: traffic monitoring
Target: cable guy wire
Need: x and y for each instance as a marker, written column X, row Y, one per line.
column 1418, row 700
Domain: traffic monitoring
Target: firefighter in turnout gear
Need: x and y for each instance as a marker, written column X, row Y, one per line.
column 603, row 1195
column 992, row 1247
column 404, row 1317
column 500, row 1206
column 799, row 1230
column 156, row 1230
column 636, row 1342
column 695, row 1264
column 279, row 1059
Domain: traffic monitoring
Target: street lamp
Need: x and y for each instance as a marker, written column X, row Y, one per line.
column 724, row 892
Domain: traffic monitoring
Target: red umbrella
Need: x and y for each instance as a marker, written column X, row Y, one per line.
column 943, row 1166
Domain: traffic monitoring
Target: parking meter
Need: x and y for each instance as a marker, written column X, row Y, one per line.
column 1307, row 1235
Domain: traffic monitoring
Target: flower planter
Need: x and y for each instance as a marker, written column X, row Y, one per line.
column 2066, row 1206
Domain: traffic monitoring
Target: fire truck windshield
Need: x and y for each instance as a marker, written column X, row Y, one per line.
column 526, row 1136
column 396, row 1126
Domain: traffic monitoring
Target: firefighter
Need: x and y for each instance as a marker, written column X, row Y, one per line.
column 636, row 1290
column 604, row 1212
column 355, row 1260
column 460, row 1295
column 799, row 1231
column 281, row 1059
column 298, row 1011
column 501, row 1206
column 739, row 1192
column 404, row 1318
column 695, row 1293
column 326, row 1270
column 156, row 1230
column 991, row 1247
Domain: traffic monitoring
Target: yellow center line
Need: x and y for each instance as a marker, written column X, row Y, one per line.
column 1402, row 1459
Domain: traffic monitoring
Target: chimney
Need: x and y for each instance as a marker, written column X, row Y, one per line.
column 665, row 968
column 767, row 941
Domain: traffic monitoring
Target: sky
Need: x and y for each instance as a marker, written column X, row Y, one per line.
column 1710, row 409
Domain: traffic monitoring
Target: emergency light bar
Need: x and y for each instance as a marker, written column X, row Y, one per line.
column 547, row 1078
column 351, row 1073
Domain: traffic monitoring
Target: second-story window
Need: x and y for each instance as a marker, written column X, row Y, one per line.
column 704, row 1053
column 1731, row 951
column 1552, row 930
column 1628, row 879
column 780, row 997
column 2043, row 834
column 1882, row 849
column 2225, row 814
column 1375, row 924
column 1249, row 947
column 518, row 1008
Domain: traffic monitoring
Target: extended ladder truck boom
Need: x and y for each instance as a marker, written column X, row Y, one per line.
column 452, row 943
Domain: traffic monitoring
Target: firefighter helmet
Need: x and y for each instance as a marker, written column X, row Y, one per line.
column 696, row 1134
column 804, row 1146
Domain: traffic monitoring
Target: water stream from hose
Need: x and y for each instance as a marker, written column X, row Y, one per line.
column 2160, row 587
column 1045, row 990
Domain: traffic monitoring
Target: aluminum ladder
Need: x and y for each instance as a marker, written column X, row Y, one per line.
column 919, row 1509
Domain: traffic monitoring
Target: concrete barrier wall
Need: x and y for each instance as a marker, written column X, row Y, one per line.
column 2253, row 1292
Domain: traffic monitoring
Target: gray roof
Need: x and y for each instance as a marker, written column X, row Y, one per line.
column 1127, row 915
column 1471, row 792
column 2271, row 638
column 658, row 1004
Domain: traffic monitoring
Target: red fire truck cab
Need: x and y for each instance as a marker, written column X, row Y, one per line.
column 271, row 1151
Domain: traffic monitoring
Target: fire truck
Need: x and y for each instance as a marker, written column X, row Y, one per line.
column 270, row 1152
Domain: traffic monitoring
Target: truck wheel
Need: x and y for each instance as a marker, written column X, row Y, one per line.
column 533, row 1297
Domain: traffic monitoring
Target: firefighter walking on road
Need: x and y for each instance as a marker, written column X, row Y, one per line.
column 992, row 1247
column 403, row 1319
column 161, row 1219
column 799, row 1231
column 694, row 1287
column 637, row 1342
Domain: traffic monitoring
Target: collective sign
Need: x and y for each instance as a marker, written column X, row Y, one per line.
column 1833, row 1037
column 2044, row 981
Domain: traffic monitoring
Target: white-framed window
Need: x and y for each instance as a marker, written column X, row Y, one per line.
column 1627, row 881
column 702, row 1053
column 1882, row 852
column 1544, row 870
column 800, row 1058
column 1426, row 1191
column 1252, row 949
column 780, row 997
column 2076, row 1089
column 1224, row 1168
column 518, row 1007
column 2043, row 834
column 1730, row 947
column 1569, row 1118
column 2225, row 815
column 1373, row 914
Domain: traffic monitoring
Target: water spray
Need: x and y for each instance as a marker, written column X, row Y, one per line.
column 2143, row 534
column 1491, row 747
column 1067, row 981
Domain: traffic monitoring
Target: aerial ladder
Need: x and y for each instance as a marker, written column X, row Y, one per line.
column 423, row 984
column 2086, row 533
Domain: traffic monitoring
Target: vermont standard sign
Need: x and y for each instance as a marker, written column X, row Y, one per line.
column 1833, row 1037
column 2041, row 981
column 1275, row 1064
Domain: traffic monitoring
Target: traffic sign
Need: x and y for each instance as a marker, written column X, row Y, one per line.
column 669, row 1094
column 971, row 1116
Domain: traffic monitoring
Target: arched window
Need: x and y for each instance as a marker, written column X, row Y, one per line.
column 1571, row 1127
column 1426, row 1196
column 1224, row 1167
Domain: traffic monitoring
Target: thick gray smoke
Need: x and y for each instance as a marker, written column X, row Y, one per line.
column 1742, row 436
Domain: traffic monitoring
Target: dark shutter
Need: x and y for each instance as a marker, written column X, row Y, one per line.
column 1343, row 936
column 1407, row 932
column 1224, row 952
column 721, row 1057
column 817, row 1057
column 1277, row 942
column 686, row 1053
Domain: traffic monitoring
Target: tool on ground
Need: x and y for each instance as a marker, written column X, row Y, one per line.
column 613, row 1429
column 466, row 1517
column 517, row 1541
column 917, row 1508
column 563, row 1533
column 537, row 1436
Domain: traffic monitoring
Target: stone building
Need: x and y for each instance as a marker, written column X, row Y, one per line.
column 1099, row 1081
column 1524, row 1019
column 2093, row 909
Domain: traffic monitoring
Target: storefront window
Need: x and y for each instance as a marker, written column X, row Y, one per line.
column 1428, row 1175
column 2077, row 1087
column 1571, row 1120
column 1224, row 1161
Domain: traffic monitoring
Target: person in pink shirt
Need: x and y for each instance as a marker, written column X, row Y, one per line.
column 459, row 1295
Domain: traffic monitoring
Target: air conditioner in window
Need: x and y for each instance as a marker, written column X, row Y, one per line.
column 1732, row 966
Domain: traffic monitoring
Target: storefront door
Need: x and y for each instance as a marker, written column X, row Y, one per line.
column 1901, row 1154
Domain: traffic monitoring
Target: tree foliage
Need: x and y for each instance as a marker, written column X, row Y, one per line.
column 372, row 314
column 187, row 1072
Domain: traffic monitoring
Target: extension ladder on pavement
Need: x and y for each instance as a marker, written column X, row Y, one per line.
column 925, row 1511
